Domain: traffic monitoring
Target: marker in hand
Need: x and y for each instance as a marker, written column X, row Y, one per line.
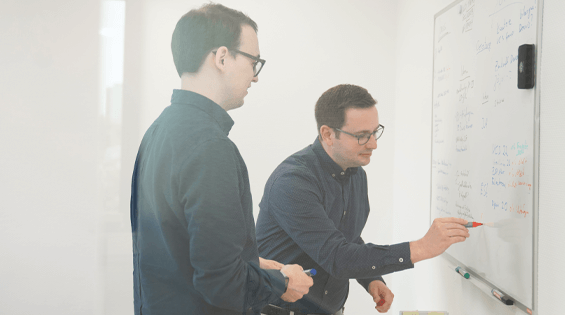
column 381, row 302
column 310, row 272
column 473, row 224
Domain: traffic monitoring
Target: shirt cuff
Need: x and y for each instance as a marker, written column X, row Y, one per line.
column 404, row 255
column 389, row 259
column 277, row 281
column 366, row 281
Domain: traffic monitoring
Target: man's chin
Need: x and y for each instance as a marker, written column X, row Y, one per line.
column 365, row 161
column 235, row 105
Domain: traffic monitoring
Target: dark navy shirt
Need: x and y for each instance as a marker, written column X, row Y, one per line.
column 312, row 214
column 194, row 246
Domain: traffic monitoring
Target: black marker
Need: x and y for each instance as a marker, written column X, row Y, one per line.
column 310, row 272
column 504, row 299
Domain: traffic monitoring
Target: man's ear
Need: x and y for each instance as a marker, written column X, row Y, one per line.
column 220, row 57
column 327, row 134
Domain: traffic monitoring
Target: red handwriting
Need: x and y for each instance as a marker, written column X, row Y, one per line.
column 515, row 184
column 517, row 173
column 520, row 161
column 519, row 209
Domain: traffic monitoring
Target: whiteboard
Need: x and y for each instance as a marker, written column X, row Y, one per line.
column 483, row 132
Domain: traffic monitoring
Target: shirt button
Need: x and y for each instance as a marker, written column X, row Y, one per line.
column 401, row 260
column 342, row 173
column 373, row 267
column 333, row 175
column 326, row 292
column 344, row 212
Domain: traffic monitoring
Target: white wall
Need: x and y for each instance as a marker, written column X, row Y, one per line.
column 433, row 285
column 49, row 205
column 551, row 237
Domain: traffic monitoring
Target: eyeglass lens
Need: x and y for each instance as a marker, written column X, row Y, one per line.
column 257, row 67
column 365, row 138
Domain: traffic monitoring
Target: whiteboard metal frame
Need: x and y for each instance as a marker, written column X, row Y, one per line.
column 479, row 281
column 537, row 86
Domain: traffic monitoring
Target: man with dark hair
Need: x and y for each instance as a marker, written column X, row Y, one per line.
column 316, row 204
column 194, row 245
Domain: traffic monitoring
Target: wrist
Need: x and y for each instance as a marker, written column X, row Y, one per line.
column 416, row 254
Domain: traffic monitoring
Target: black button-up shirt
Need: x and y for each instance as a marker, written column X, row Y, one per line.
column 194, row 246
column 312, row 214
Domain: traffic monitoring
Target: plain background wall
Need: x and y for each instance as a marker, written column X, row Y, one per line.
column 49, row 207
column 65, row 248
column 552, row 172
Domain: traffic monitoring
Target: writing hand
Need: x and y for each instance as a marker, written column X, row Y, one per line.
column 443, row 233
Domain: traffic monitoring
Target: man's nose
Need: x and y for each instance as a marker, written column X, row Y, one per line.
column 255, row 79
column 372, row 143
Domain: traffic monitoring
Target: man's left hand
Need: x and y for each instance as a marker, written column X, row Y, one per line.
column 269, row 264
column 378, row 290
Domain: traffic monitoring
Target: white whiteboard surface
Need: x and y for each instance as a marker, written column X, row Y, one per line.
column 483, row 138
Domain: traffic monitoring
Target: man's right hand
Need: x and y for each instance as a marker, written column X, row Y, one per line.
column 443, row 233
column 298, row 285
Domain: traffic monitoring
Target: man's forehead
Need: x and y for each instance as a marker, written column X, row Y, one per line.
column 248, row 41
column 362, row 119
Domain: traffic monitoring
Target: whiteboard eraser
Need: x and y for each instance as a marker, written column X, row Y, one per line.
column 526, row 66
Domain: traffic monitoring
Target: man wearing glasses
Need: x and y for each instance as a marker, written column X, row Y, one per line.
column 194, row 246
column 315, row 206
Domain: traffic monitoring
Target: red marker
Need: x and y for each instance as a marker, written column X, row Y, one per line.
column 473, row 224
column 381, row 302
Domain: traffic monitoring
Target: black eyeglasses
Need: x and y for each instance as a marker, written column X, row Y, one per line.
column 364, row 138
column 257, row 65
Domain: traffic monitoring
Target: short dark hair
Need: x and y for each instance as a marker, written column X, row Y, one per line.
column 203, row 29
column 331, row 106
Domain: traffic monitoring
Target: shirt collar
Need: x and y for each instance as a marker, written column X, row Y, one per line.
column 329, row 165
column 184, row 97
